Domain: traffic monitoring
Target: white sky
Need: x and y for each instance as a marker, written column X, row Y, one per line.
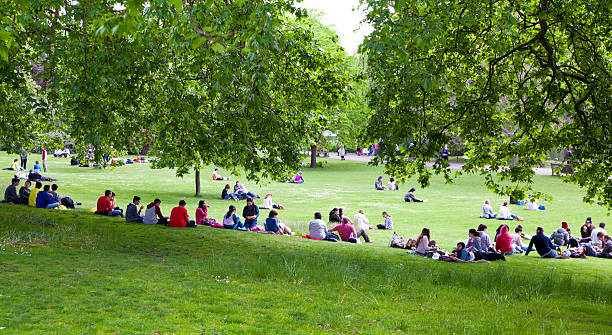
column 346, row 22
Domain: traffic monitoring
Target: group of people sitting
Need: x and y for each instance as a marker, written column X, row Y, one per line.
column 504, row 212
column 391, row 185
column 40, row 197
column 240, row 192
column 348, row 231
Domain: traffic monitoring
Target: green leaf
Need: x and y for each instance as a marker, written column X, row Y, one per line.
column 178, row 4
column 3, row 53
column 218, row 48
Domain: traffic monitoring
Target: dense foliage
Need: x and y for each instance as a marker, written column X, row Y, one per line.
column 514, row 79
column 234, row 83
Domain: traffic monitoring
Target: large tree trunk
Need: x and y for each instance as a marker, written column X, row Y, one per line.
column 197, row 183
column 313, row 156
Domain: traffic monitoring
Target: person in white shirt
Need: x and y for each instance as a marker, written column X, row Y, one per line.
column 391, row 186
column 504, row 213
column 269, row 204
column 361, row 221
column 532, row 205
column 594, row 240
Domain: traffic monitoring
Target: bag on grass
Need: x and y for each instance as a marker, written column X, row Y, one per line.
column 396, row 241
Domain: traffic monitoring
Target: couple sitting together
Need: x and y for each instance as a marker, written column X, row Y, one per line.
column 504, row 212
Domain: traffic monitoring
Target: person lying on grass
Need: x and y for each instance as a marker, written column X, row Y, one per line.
column 410, row 197
column 231, row 220
column 132, row 212
column 44, row 200
column 388, row 225
column 347, row 232
column 274, row 226
column 66, row 201
column 153, row 214
column 180, row 218
column 543, row 245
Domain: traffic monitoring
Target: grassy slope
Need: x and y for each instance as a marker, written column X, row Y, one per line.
column 99, row 275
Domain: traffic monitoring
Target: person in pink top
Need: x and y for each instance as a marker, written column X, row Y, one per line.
column 347, row 232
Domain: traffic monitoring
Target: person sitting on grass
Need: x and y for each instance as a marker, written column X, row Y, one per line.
column 532, row 205
column 201, row 213
column 543, row 245
column 422, row 243
column 486, row 240
column 153, row 214
column 226, row 194
column 298, row 179
column 334, row 216
column 504, row 213
column 231, row 220
column 503, row 242
column 475, row 246
column 392, row 186
column 274, row 226
column 250, row 212
column 517, row 239
column 24, row 192
column 606, row 251
column 594, row 240
column 15, row 166
column 37, row 167
column 361, row 221
column 410, row 197
column 216, row 176
column 487, row 211
column 132, row 212
column 560, row 237
column 105, row 207
column 317, row 229
column 180, row 218
column 44, row 200
column 243, row 192
column 347, row 232
column 10, row 194
column 34, row 194
column 268, row 204
column 378, row 184
column 388, row 225
column 585, row 231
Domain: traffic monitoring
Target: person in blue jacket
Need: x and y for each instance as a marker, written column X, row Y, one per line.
column 44, row 200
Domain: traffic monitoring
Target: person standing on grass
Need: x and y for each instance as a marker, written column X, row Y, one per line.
column 250, row 212
column 388, row 225
column 543, row 245
column 153, row 214
column 24, row 159
column 180, row 218
column 44, row 159
column 34, row 194
column 44, row 200
column 24, row 192
column 104, row 205
column 231, row 220
column 132, row 212
column 10, row 194
column 274, row 226
column 347, row 232
column 444, row 153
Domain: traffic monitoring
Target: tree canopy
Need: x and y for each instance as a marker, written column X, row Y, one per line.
column 514, row 79
column 233, row 83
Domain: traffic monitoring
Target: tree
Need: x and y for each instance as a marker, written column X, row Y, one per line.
column 513, row 79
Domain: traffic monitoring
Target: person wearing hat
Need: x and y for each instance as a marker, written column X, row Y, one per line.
column 585, row 231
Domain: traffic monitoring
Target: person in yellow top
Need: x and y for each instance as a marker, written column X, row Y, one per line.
column 15, row 166
column 34, row 194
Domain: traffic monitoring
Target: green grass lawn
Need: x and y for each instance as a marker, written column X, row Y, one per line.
column 66, row 272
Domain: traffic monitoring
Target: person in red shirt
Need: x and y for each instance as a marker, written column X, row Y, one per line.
column 179, row 216
column 105, row 207
column 44, row 159
column 347, row 232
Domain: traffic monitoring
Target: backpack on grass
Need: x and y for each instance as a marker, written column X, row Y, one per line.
column 396, row 241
